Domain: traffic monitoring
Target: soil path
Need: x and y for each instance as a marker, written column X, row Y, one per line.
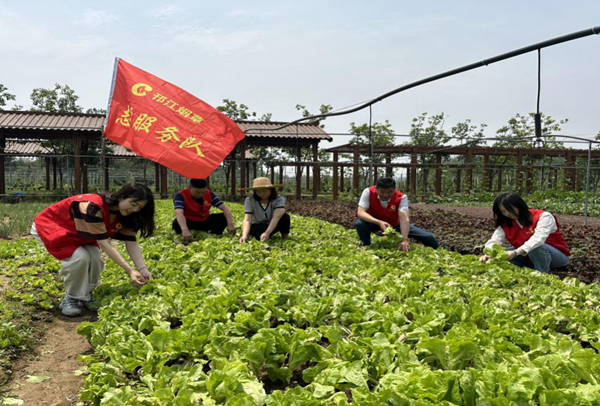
column 55, row 357
column 486, row 212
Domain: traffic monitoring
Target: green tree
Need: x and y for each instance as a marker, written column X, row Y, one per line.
column 323, row 109
column 236, row 112
column 95, row 110
column 382, row 135
column 61, row 99
column 523, row 126
column 428, row 131
column 467, row 133
column 514, row 135
column 5, row 96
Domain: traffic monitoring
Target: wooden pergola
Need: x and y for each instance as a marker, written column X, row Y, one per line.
column 21, row 133
column 468, row 153
column 296, row 137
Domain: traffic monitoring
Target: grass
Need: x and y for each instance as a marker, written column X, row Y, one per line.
column 16, row 219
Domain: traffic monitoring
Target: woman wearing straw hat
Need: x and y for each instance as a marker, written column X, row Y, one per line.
column 264, row 212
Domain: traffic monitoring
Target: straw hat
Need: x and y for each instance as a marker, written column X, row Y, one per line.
column 261, row 183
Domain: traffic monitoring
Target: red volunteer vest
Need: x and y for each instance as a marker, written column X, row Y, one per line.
column 194, row 211
column 388, row 214
column 517, row 236
column 56, row 227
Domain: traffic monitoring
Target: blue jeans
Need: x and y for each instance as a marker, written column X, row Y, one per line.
column 544, row 258
column 365, row 229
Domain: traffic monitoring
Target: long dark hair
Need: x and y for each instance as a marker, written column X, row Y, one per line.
column 273, row 195
column 143, row 220
column 513, row 203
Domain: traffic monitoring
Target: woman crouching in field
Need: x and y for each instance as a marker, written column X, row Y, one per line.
column 74, row 228
column 264, row 212
column 532, row 236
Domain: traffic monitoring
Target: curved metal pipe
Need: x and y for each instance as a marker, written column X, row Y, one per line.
column 485, row 62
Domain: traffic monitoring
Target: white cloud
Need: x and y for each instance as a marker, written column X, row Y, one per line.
column 221, row 41
column 244, row 14
column 96, row 18
column 30, row 43
column 166, row 12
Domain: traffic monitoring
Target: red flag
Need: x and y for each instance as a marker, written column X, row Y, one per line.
column 166, row 124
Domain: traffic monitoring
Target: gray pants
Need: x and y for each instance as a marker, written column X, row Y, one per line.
column 81, row 271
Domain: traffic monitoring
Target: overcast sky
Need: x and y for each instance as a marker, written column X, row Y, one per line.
column 272, row 55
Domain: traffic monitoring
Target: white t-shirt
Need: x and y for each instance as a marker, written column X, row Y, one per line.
column 546, row 225
column 364, row 201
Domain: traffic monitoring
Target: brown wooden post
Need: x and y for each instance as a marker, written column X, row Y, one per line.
column 438, row 174
column 47, row 160
column 272, row 168
column 519, row 174
column 2, row 168
column 54, row 173
column 248, row 174
column 458, row 176
column 355, row 178
column 335, row 176
column 469, row 161
column 77, row 166
column 281, row 174
column 106, row 184
column 233, row 170
column 298, row 172
column 254, row 171
column 407, row 185
column 487, row 176
column 84, row 167
column 342, row 179
column 156, row 177
column 529, row 181
column 164, row 189
column 307, row 177
column 566, row 171
column 316, row 171
column 388, row 166
column 375, row 174
column 243, row 167
column 499, row 180
column 413, row 173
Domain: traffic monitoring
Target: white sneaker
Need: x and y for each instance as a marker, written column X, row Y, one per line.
column 70, row 306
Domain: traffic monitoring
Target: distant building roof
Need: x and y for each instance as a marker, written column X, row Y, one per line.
column 29, row 120
column 35, row 148
column 267, row 129
column 41, row 121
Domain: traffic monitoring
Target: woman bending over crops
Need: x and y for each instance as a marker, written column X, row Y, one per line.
column 532, row 236
column 264, row 212
column 73, row 229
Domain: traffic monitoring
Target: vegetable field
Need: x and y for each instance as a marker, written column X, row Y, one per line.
column 466, row 229
column 319, row 320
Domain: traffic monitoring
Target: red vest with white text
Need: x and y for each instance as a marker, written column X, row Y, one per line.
column 517, row 236
column 388, row 214
column 194, row 211
column 56, row 227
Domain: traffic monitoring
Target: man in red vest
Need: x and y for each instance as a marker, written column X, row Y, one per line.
column 532, row 236
column 382, row 206
column 192, row 211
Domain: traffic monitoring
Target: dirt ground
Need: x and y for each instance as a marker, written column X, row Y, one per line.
column 486, row 212
column 55, row 357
